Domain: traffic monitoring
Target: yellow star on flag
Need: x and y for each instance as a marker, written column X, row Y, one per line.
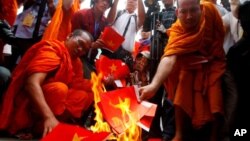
column 113, row 68
column 77, row 138
column 110, row 43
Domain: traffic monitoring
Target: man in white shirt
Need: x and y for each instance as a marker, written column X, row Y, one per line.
column 127, row 23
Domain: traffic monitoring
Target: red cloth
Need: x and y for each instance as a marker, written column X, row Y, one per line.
column 112, row 39
column 8, row 10
column 66, row 132
column 59, row 87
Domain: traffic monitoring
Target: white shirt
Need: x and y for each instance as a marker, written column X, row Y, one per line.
column 120, row 25
column 234, row 30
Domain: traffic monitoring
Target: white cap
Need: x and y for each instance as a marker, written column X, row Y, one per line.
column 146, row 54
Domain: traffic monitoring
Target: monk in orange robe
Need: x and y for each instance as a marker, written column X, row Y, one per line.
column 48, row 86
column 191, row 67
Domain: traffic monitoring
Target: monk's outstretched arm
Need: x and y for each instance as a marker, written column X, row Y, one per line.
column 164, row 68
column 34, row 89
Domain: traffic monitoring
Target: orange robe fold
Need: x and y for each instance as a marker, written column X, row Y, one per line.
column 62, row 87
column 60, row 25
column 194, row 84
column 8, row 10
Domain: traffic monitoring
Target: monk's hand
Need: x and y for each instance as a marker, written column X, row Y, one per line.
column 98, row 44
column 147, row 92
column 49, row 124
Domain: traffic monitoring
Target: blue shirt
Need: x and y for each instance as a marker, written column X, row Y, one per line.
column 26, row 32
column 168, row 17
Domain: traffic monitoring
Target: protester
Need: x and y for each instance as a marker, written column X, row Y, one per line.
column 233, row 32
column 93, row 20
column 127, row 23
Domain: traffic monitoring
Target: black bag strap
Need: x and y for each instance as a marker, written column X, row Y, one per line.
column 119, row 13
column 126, row 28
column 39, row 18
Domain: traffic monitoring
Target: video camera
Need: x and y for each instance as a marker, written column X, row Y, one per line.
column 153, row 5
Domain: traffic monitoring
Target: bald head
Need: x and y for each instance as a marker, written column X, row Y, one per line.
column 180, row 1
column 78, row 43
column 80, row 32
column 189, row 13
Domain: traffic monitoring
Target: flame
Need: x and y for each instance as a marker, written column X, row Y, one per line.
column 132, row 132
column 98, row 88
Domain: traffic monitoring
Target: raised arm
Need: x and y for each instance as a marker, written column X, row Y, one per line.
column 141, row 14
column 164, row 68
column 68, row 3
column 51, row 6
column 34, row 89
column 112, row 13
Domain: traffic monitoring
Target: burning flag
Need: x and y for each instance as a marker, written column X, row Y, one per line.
column 120, row 108
column 67, row 132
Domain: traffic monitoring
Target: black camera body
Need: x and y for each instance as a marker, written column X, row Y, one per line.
column 6, row 33
column 153, row 5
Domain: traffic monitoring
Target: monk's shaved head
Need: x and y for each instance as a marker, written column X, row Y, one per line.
column 178, row 1
column 80, row 32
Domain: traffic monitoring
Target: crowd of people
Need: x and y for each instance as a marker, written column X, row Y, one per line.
column 191, row 60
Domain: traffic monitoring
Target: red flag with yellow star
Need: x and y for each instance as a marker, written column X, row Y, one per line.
column 114, row 67
column 121, row 106
column 111, row 39
column 67, row 132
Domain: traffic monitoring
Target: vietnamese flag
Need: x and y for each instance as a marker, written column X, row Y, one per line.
column 142, row 112
column 111, row 39
column 67, row 132
column 115, row 67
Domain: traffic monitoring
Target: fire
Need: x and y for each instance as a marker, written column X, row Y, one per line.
column 98, row 88
column 132, row 132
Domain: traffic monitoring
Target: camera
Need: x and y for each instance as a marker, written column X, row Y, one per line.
column 152, row 5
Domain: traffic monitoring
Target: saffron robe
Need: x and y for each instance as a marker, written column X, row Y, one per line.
column 60, row 26
column 194, row 83
column 64, row 88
